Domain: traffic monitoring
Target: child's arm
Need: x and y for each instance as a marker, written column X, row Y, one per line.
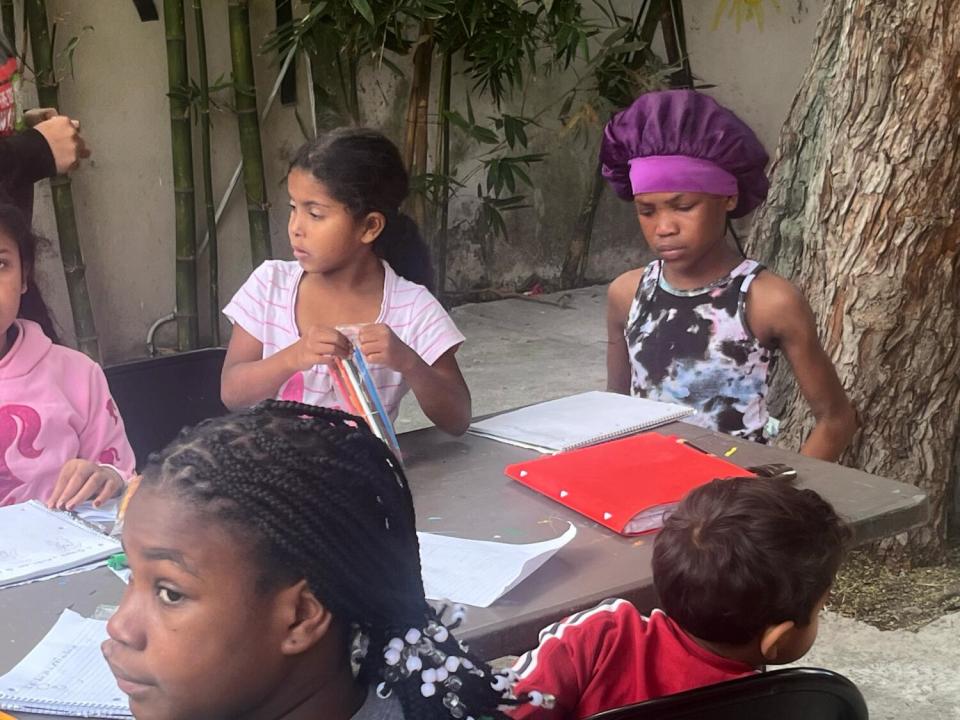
column 619, row 297
column 440, row 388
column 248, row 377
column 779, row 314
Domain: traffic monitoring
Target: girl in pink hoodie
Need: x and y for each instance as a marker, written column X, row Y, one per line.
column 61, row 438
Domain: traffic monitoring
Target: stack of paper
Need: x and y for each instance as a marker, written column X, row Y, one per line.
column 66, row 674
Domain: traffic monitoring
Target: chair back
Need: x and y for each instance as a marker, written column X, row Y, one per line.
column 158, row 396
column 788, row 694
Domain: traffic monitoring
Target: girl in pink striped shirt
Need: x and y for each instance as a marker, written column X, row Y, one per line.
column 359, row 261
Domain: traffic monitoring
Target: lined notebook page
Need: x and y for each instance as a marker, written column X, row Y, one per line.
column 578, row 421
column 66, row 674
column 36, row 541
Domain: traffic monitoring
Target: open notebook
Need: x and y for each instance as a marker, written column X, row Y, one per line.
column 36, row 542
column 66, row 675
column 578, row 421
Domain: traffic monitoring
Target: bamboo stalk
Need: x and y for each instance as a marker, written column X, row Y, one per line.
column 9, row 22
column 578, row 252
column 183, row 192
column 211, row 211
column 69, row 236
column 423, row 65
column 443, row 107
column 419, row 88
column 245, row 93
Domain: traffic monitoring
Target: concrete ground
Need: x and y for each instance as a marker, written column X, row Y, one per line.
column 521, row 351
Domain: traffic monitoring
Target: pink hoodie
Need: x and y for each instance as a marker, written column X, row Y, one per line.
column 54, row 406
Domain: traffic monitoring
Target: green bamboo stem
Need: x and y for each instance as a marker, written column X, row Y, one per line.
column 9, row 22
column 443, row 107
column 183, row 193
column 244, row 85
column 578, row 253
column 209, row 204
column 69, row 237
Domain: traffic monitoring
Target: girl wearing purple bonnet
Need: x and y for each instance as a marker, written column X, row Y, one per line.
column 702, row 324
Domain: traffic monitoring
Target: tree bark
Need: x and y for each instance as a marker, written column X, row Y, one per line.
column 863, row 216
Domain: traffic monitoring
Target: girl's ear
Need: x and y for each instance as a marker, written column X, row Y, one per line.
column 731, row 202
column 773, row 638
column 306, row 620
column 373, row 224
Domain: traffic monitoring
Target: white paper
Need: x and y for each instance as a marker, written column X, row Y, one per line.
column 36, row 542
column 477, row 572
column 66, row 674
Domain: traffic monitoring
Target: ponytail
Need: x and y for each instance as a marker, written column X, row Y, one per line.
column 362, row 169
column 401, row 245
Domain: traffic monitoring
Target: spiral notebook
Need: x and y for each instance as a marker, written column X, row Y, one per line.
column 36, row 542
column 578, row 421
column 66, row 675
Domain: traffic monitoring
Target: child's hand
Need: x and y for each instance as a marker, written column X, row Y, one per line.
column 81, row 480
column 379, row 345
column 318, row 346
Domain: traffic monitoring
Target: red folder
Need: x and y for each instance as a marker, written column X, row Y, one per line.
column 626, row 485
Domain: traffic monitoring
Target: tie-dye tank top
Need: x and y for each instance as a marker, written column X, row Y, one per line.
column 694, row 347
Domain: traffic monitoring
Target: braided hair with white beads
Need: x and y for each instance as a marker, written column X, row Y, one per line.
column 320, row 497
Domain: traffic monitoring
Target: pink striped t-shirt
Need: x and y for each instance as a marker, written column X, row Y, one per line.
column 265, row 305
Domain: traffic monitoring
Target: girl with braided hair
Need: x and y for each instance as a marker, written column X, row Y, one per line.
column 358, row 261
column 276, row 574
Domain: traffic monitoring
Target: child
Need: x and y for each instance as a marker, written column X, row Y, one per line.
column 359, row 260
column 276, row 574
column 701, row 325
column 742, row 568
column 61, row 438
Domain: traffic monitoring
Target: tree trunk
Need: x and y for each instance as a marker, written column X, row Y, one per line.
column 245, row 94
column 863, row 216
column 71, row 253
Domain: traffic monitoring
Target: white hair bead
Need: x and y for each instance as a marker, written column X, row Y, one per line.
column 414, row 663
column 428, row 690
column 396, row 644
column 536, row 698
column 383, row 692
column 452, row 663
column 391, row 656
column 442, row 674
column 412, row 637
column 429, row 675
column 441, row 635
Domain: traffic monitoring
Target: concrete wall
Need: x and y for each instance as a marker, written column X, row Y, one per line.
column 124, row 196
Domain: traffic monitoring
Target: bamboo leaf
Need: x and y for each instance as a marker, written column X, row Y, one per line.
column 363, row 7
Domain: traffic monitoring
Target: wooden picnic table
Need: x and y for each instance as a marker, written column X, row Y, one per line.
column 459, row 488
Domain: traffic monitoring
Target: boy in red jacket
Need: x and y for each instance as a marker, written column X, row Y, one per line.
column 742, row 568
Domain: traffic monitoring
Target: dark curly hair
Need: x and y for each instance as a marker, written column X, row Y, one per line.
column 742, row 554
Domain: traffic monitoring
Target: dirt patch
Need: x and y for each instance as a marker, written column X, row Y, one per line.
column 892, row 599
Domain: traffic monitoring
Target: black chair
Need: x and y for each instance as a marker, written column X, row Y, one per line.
column 788, row 694
column 158, row 396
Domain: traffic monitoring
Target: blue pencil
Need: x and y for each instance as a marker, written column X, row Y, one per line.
column 375, row 396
